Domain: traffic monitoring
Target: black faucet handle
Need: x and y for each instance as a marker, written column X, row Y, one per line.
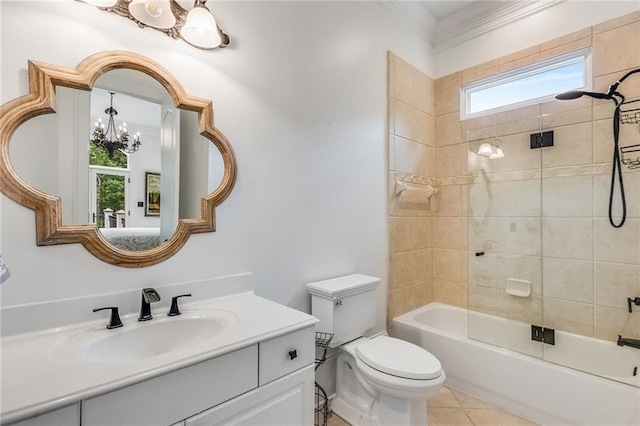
column 631, row 301
column 114, row 320
column 174, row 310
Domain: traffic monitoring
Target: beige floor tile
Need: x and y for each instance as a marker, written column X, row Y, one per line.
column 444, row 399
column 467, row 401
column 447, row 417
column 336, row 420
column 495, row 417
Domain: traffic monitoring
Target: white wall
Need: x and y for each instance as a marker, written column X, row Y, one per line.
column 556, row 21
column 301, row 95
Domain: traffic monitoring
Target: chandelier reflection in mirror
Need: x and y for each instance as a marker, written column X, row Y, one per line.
column 189, row 20
column 112, row 140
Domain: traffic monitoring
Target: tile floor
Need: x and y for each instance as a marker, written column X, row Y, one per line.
column 454, row 408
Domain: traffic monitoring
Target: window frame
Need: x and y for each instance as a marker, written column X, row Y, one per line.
column 578, row 56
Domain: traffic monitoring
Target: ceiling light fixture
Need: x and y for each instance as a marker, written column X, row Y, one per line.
column 195, row 25
column 112, row 140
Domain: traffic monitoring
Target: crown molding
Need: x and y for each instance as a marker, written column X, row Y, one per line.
column 468, row 23
column 416, row 16
column 483, row 17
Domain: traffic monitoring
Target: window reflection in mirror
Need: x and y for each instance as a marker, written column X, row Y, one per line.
column 53, row 154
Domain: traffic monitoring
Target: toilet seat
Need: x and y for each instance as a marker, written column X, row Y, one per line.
column 399, row 358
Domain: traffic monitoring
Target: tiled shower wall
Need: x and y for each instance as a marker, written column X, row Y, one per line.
column 532, row 203
column 411, row 159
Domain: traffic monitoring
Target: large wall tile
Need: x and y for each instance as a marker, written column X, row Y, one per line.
column 450, row 232
column 615, row 282
column 449, row 160
column 572, row 146
column 411, row 267
column 448, row 201
column 447, row 94
column 448, row 264
column 527, row 268
column 450, row 292
column 483, row 270
column 483, row 299
column 618, row 245
column 404, row 82
column 612, row 50
column 568, row 279
column 407, row 234
column 519, row 198
column 567, row 196
column 524, row 309
column 520, row 235
column 568, row 238
column 573, row 317
column 413, row 157
column 448, row 129
column 602, row 188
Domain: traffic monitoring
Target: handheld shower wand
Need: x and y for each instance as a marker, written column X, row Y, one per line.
column 618, row 99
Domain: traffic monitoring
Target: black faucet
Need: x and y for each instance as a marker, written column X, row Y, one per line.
column 149, row 296
column 174, row 310
column 625, row 341
column 114, row 319
column 631, row 301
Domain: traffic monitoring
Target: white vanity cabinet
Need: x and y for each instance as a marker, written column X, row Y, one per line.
column 285, row 395
column 174, row 396
column 258, row 370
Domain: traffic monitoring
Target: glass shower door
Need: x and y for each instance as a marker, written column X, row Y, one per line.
column 504, row 225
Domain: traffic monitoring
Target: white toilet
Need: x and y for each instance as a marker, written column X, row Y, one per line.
column 379, row 381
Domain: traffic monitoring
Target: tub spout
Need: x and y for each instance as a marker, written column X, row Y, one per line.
column 625, row 341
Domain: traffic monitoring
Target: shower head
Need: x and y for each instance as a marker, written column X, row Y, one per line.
column 575, row 94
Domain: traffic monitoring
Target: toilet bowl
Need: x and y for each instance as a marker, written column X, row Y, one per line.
column 385, row 381
column 379, row 381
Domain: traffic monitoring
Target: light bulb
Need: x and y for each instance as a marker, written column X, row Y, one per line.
column 200, row 28
column 486, row 150
column 154, row 13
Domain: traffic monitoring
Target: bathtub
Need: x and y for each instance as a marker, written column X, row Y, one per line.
column 539, row 390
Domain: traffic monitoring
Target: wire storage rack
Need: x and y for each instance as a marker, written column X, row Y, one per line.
column 630, row 114
column 322, row 411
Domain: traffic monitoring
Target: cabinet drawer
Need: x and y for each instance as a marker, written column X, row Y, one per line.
column 177, row 395
column 282, row 355
column 285, row 401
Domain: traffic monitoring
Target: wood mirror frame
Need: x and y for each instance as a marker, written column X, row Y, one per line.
column 43, row 79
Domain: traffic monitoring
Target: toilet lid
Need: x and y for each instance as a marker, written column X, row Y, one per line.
column 399, row 358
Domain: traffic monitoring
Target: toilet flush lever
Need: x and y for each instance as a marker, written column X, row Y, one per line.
column 338, row 302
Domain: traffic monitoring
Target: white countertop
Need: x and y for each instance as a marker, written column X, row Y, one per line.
column 42, row 371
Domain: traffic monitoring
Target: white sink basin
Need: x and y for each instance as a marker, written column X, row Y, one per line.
column 159, row 336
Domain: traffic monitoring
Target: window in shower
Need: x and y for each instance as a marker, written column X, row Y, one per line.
column 526, row 85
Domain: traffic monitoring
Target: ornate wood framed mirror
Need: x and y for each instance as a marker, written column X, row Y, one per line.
column 46, row 82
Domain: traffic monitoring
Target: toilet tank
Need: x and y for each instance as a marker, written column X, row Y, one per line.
column 345, row 306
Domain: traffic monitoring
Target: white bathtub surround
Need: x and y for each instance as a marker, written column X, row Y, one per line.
column 48, row 369
column 526, row 385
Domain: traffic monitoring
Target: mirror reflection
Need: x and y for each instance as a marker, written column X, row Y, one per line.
column 134, row 196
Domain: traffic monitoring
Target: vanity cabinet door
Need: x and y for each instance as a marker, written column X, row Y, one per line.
column 286, row 401
column 282, row 355
column 167, row 399
column 66, row 416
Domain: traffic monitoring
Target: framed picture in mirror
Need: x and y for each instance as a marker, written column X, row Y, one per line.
column 152, row 191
